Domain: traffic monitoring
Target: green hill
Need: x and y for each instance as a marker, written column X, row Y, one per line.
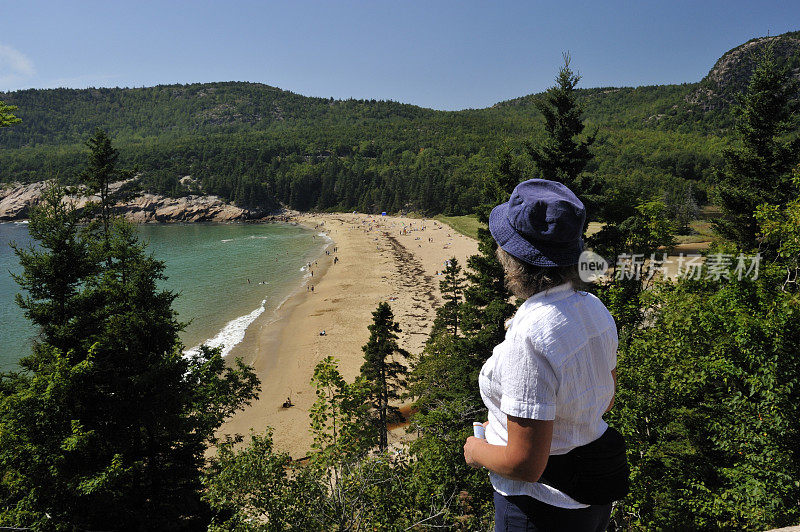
column 259, row 145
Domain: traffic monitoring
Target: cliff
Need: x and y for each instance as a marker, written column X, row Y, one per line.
column 16, row 200
column 731, row 73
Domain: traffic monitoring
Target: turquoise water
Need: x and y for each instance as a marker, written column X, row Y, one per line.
column 209, row 266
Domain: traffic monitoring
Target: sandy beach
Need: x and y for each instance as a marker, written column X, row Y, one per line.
column 380, row 258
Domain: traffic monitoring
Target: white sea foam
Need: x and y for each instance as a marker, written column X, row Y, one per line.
column 227, row 240
column 233, row 332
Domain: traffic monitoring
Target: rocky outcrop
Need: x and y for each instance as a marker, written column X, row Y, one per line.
column 154, row 208
column 731, row 73
column 16, row 200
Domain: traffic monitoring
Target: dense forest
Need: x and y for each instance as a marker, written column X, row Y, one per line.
column 261, row 146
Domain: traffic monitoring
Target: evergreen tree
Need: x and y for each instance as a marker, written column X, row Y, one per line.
column 101, row 172
column 563, row 155
column 452, row 288
column 384, row 374
column 7, row 117
column 486, row 299
column 108, row 425
column 759, row 169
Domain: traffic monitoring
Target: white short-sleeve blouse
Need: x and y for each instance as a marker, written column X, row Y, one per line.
column 554, row 364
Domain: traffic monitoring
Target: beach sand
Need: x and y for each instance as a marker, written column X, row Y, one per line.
column 378, row 261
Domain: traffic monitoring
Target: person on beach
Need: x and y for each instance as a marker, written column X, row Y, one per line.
column 548, row 384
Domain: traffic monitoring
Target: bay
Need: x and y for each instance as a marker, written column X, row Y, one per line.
column 225, row 276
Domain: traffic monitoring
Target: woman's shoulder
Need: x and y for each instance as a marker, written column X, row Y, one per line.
column 590, row 301
column 571, row 321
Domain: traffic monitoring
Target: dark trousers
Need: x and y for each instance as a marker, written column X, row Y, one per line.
column 525, row 514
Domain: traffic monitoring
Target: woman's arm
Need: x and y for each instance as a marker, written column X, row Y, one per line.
column 525, row 456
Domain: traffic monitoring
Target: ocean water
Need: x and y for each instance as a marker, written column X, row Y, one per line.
column 225, row 275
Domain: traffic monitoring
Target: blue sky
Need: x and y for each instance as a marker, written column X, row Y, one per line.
column 439, row 54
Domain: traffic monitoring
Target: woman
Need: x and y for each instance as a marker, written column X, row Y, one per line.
column 547, row 385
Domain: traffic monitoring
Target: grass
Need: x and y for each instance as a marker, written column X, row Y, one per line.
column 466, row 225
column 701, row 231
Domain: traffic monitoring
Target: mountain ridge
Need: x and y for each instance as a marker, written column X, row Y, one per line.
column 260, row 146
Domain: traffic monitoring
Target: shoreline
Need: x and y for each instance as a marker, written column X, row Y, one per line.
column 266, row 315
column 378, row 261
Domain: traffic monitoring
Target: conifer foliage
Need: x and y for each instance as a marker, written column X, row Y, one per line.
column 758, row 170
column 101, row 172
column 452, row 288
column 107, row 423
column 7, row 117
column 562, row 156
column 385, row 374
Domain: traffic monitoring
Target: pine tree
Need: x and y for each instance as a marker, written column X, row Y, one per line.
column 452, row 288
column 444, row 380
column 759, row 169
column 108, row 425
column 385, row 375
column 563, row 155
column 486, row 304
column 101, row 171
column 7, row 117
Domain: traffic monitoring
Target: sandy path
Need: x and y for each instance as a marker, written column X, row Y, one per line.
column 380, row 259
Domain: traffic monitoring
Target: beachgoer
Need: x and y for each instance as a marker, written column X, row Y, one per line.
column 547, row 385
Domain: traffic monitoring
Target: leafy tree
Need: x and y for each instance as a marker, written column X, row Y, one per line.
column 758, row 169
column 109, row 421
column 340, row 417
column 342, row 486
column 644, row 236
column 780, row 228
column 7, row 117
column 253, row 487
column 384, row 374
column 708, row 402
column 681, row 206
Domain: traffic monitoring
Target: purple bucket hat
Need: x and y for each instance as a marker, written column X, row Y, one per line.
column 541, row 224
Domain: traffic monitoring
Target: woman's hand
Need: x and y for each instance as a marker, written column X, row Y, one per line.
column 525, row 456
column 469, row 451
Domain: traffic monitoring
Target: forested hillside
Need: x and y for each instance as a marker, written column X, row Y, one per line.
column 107, row 422
column 260, row 146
